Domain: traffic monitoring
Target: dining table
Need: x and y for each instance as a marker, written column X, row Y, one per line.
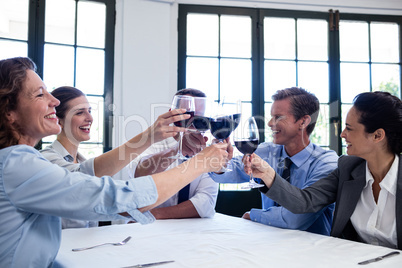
column 220, row 241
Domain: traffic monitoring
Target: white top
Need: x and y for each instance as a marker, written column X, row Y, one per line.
column 57, row 154
column 376, row 223
column 203, row 190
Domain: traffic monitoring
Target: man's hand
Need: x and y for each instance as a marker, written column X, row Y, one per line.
column 229, row 148
column 193, row 143
column 212, row 158
column 259, row 168
column 246, row 216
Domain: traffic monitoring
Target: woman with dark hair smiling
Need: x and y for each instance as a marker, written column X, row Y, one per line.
column 75, row 120
column 366, row 186
column 35, row 193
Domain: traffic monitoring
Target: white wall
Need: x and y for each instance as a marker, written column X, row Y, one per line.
column 146, row 50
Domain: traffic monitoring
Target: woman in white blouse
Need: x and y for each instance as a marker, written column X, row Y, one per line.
column 366, row 186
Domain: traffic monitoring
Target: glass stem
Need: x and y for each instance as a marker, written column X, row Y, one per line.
column 180, row 144
column 251, row 174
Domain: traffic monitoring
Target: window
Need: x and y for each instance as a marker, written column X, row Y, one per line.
column 219, row 49
column 248, row 54
column 296, row 54
column 72, row 43
column 13, row 28
column 219, row 58
column 367, row 63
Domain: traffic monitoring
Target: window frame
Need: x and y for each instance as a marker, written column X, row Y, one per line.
column 36, row 43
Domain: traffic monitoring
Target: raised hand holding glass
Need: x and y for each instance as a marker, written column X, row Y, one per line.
column 183, row 102
column 202, row 114
column 246, row 138
column 225, row 121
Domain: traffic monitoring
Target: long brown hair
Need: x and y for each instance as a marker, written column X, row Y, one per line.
column 13, row 73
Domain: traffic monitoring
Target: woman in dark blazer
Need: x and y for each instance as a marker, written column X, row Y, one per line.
column 366, row 186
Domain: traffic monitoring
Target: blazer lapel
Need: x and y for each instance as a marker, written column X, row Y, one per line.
column 348, row 197
column 398, row 205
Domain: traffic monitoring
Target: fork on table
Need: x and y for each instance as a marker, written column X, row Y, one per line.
column 114, row 244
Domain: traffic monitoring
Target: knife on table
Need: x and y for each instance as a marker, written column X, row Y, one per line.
column 393, row 253
column 148, row 264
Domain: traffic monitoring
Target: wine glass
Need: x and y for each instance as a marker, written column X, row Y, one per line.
column 246, row 139
column 226, row 120
column 200, row 124
column 202, row 114
column 183, row 102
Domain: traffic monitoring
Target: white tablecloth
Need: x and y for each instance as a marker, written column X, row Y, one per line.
column 222, row 241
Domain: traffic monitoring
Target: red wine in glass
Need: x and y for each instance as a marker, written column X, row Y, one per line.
column 202, row 123
column 187, row 103
column 186, row 122
column 226, row 119
column 222, row 127
column 246, row 146
column 246, row 139
column 235, row 120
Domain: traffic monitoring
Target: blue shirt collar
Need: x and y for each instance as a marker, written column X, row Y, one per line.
column 301, row 157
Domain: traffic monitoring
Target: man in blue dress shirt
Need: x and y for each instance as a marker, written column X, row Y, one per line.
column 294, row 114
